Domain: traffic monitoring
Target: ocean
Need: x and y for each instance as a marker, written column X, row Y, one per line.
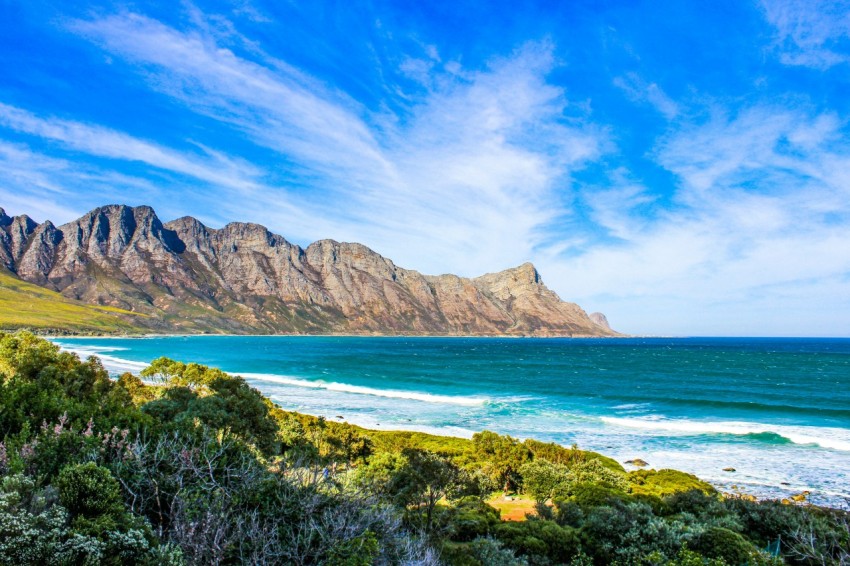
column 775, row 410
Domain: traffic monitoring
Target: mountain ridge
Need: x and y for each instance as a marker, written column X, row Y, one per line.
column 242, row 278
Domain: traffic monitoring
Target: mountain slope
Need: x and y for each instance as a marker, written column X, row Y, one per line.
column 186, row 277
column 25, row 305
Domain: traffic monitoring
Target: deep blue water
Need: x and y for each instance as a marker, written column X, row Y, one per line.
column 777, row 410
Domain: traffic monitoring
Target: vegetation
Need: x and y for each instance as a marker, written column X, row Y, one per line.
column 24, row 305
column 193, row 466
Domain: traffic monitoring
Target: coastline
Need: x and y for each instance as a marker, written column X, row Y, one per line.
column 762, row 489
column 334, row 335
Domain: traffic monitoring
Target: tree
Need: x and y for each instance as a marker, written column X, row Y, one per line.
column 541, row 479
column 503, row 457
column 415, row 480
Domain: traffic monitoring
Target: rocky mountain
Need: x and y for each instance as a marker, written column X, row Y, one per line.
column 600, row 320
column 182, row 276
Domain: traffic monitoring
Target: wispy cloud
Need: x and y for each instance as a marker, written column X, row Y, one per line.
column 470, row 169
column 762, row 211
column 472, row 164
column 813, row 33
column 58, row 189
column 212, row 167
column 640, row 90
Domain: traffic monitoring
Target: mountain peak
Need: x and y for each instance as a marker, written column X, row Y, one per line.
column 242, row 278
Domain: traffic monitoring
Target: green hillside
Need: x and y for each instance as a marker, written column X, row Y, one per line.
column 24, row 305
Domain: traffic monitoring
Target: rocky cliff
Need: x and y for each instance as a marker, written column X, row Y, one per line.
column 186, row 277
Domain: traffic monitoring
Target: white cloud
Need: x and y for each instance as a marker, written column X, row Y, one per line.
column 762, row 212
column 812, row 33
column 58, row 189
column 473, row 174
column 639, row 90
column 462, row 182
column 213, row 167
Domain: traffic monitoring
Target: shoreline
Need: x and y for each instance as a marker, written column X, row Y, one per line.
column 761, row 489
column 301, row 335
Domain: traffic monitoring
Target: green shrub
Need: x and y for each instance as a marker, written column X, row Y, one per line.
column 90, row 491
column 490, row 552
column 717, row 542
column 587, row 495
column 541, row 479
column 472, row 518
column 539, row 540
column 665, row 482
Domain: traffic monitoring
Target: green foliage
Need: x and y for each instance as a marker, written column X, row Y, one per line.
column 459, row 449
column 557, row 454
column 588, row 495
column 666, row 482
column 471, row 518
column 36, row 529
column 90, row 491
column 540, row 541
column 627, row 532
column 684, row 558
column 732, row 548
column 503, row 457
column 416, row 480
column 39, row 384
column 490, row 552
column 199, row 395
column 541, row 479
column 201, row 469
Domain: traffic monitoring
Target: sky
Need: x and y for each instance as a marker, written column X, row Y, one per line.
column 682, row 167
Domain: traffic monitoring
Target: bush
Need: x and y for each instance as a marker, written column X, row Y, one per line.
column 540, row 541
column 627, row 532
column 490, row 552
column 471, row 519
column 587, row 495
column 666, row 482
column 541, row 479
column 90, row 491
column 717, row 542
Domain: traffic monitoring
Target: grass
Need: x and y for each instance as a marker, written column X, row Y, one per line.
column 25, row 305
column 514, row 509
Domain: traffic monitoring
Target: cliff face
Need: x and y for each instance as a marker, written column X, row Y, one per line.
column 242, row 278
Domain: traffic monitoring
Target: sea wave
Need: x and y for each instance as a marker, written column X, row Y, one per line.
column 834, row 438
column 361, row 390
column 111, row 363
column 119, row 365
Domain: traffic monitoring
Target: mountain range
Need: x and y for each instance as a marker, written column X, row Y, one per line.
column 184, row 277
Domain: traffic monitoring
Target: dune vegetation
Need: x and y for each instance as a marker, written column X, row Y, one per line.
column 193, row 466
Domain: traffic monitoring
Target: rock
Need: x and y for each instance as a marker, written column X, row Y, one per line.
column 600, row 320
column 729, row 469
column 638, row 462
column 242, row 278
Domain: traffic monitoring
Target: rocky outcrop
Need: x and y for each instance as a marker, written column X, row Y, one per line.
column 600, row 320
column 187, row 277
column 14, row 236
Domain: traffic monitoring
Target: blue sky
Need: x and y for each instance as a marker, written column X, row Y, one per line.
column 682, row 167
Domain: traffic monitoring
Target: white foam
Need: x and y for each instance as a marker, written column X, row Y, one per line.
column 825, row 437
column 119, row 365
column 360, row 390
column 111, row 363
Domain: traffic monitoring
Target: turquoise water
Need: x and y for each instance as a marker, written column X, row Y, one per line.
column 776, row 410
